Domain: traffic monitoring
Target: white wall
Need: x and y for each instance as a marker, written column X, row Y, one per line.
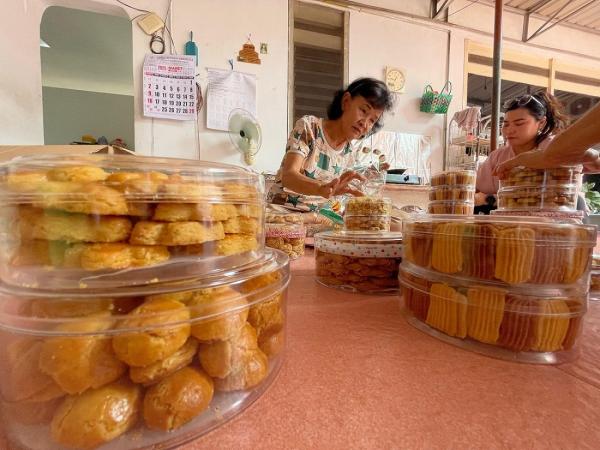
column 69, row 113
column 421, row 52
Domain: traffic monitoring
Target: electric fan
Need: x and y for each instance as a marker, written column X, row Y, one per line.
column 245, row 134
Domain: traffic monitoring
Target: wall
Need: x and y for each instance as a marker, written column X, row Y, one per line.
column 70, row 113
column 421, row 52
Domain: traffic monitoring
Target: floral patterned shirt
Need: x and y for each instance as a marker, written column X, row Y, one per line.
column 321, row 161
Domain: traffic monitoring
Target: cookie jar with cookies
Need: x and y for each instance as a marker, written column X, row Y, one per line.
column 452, row 192
column 368, row 213
column 122, row 335
column 514, row 288
column 285, row 232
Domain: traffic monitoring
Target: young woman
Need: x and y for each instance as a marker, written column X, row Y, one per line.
column 530, row 122
column 318, row 157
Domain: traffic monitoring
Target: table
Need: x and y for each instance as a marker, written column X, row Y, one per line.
column 357, row 375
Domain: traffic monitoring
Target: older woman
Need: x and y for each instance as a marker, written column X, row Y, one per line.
column 318, row 157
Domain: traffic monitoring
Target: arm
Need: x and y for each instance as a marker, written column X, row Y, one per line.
column 293, row 179
column 569, row 148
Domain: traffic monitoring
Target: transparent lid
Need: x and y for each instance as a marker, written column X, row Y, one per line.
column 538, row 189
column 50, row 180
column 368, row 205
column 285, row 230
column 460, row 187
column 526, row 175
column 539, row 300
column 451, row 177
column 50, row 312
column 560, row 232
column 358, row 237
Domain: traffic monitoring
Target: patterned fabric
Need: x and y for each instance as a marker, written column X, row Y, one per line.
column 321, row 162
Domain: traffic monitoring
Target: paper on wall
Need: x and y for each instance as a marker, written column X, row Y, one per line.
column 228, row 90
column 169, row 90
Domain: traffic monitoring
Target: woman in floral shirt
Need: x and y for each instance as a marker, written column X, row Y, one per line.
column 318, row 156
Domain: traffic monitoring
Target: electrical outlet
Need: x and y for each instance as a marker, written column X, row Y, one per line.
column 151, row 23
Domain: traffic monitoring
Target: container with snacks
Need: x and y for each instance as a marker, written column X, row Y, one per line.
column 368, row 214
column 450, row 207
column 595, row 278
column 108, row 220
column 562, row 216
column 543, row 178
column 359, row 261
column 452, row 193
column 535, row 325
column 509, row 250
column 285, row 232
column 530, row 198
column 454, row 177
column 142, row 366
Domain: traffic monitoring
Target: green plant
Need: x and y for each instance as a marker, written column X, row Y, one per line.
column 592, row 197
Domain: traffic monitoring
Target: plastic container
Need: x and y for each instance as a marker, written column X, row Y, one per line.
column 454, row 177
column 285, row 232
column 367, row 223
column 562, row 216
column 359, row 261
column 141, row 367
column 595, row 278
column 450, row 207
column 525, row 176
column 550, row 198
column 368, row 206
column 453, row 192
column 102, row 221
column 512, row 250
column 540, row 325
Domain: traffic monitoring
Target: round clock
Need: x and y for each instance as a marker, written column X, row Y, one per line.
column 395, row 79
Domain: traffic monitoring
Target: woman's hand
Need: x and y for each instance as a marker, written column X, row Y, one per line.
column 480, row 199
column 339, row 186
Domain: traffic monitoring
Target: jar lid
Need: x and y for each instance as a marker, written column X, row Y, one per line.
column 364, row 244
column 53, row 181
column 26, row 310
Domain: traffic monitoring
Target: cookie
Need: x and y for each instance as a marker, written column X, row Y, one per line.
column 227, row 309
column 479, row 250
column 57, row 226
column 221, row 358
column 516, row 329
column 85, row 198
column 415, row 292
column 77, row 174
column 580, row 257
column 248, row 375
column 446, row 253
column 552, row 257
column 137, row 182
column 418, row 241
column 114, row 256
column 39, row 252
column 550, row 325
column 515, row 251
column 201, row 212
column 153, row 373
column 447, row 310
column 175, row 233
column 485, row 311
column 240, row 225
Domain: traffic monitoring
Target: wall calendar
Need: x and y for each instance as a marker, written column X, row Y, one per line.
column 169, row 86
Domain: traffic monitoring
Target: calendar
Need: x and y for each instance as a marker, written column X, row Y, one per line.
column 170, row 87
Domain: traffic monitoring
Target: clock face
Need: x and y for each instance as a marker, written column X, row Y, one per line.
column 395, row 80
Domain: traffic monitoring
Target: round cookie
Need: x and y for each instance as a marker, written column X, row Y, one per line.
column 77, row 174
column 222, row 358
column 97, row 416
column 154, row 373
column 251, row 373
column 271, row 343
column 82, row 362
column 31, row 413
column 51, row 308
column 142, row 348
column 114, row 256
column 177, row 399
column 267, row 315
column 218, row 301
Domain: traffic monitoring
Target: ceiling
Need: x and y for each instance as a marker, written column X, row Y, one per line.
column 88, row 51
column 584, row 13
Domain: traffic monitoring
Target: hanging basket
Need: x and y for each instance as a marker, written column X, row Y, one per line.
column 436, row 103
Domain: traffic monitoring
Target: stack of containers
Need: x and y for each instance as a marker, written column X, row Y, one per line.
column 365, row 256
column 452, row 192
column 510, row 288
column 285, row 232
column 138, row 306
column 541, row 192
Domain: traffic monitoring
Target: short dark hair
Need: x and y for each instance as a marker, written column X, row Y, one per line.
column 542, row 105
column 374, row 91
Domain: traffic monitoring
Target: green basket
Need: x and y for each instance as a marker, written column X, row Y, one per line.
column 436, row 103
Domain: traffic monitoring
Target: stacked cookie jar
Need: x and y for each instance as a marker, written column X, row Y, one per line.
column 452, row 192
column 365, row 256
column 514, row 288
column 138, row 305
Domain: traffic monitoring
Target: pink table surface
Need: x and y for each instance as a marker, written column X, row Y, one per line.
column 357, row 375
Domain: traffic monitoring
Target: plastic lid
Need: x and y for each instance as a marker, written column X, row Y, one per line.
column 358, row 237
column 239, row 290
column 574, row 234
column 525, row 299
column 460, row 187
column 360, row 244
column 47, row 180
column 290, row 231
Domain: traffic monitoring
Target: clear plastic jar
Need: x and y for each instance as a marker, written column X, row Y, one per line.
column 454, row 177
column 359, row 261
column 453, row 192
column 534, row 325
column 541, row 178
column 513, row 250
column 450, row 207
column 549, row 198
column 108, row 220
column 139, row 367
column 286, row 232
